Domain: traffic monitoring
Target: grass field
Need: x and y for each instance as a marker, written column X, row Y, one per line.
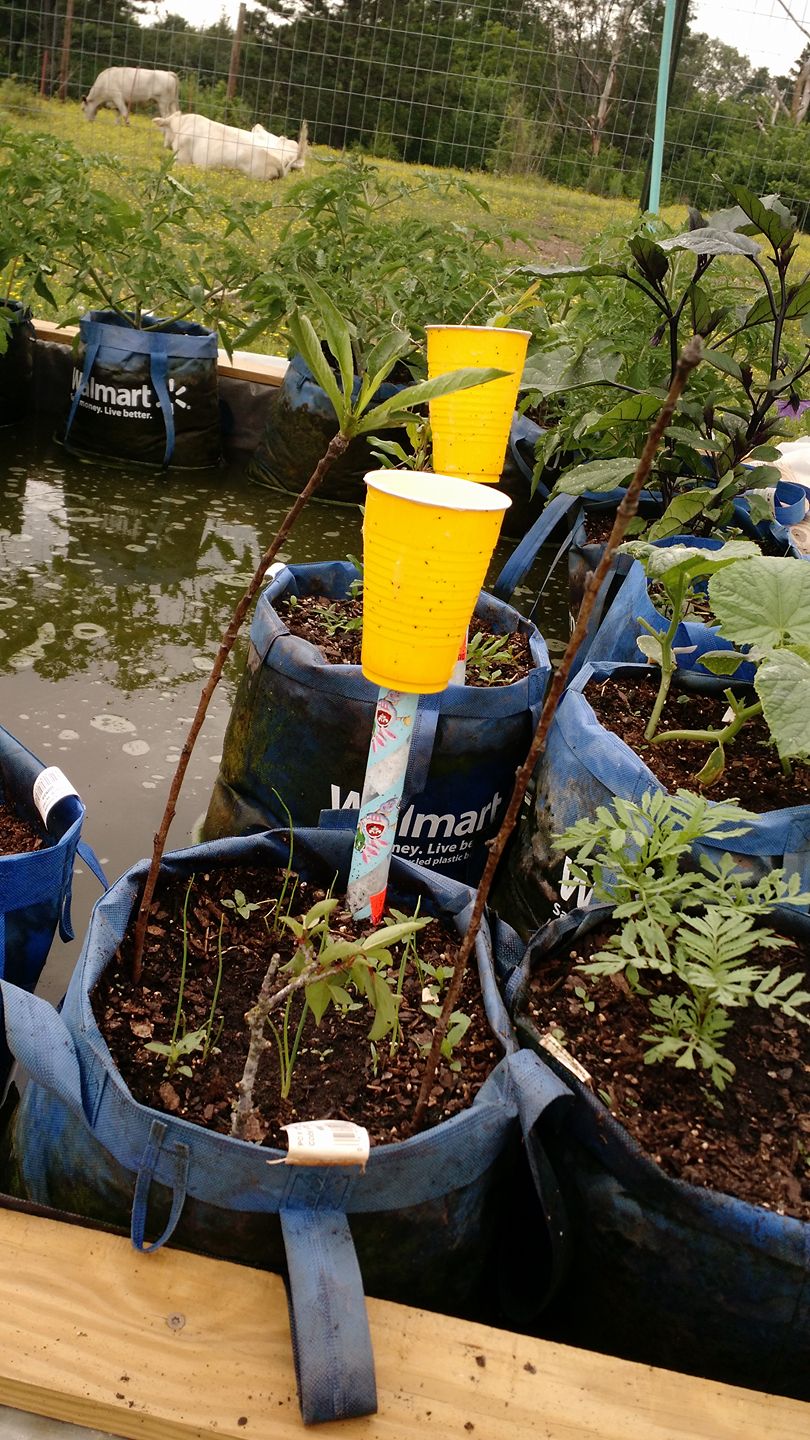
column 543, row 222
column 556, row 222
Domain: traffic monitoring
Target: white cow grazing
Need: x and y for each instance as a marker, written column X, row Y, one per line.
column 123, row 86
column 288, row 148
column 210, row 145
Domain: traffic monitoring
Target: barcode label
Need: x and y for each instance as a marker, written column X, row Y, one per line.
column 327, row 1142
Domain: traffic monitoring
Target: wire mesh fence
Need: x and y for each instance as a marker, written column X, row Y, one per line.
column 560, row 89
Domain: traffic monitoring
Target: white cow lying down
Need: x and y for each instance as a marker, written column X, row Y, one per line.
column 287, row 147
column 125, row 85
column 209, row 144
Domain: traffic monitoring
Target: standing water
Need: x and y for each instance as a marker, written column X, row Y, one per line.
column 117, row 587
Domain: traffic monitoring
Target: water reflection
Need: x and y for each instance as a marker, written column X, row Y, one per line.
column 116, row 589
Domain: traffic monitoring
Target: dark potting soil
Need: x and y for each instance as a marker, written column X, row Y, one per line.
column 321, row 621
column 753, row 773
column 751, row 1140
column 17, row 837
column 336, row 1076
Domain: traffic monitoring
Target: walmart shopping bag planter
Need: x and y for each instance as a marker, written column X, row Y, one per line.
column 36, row 886
column 662, row 1271
column 300, row 729
column 584, row 765
column 425, row 1215
column 16, row 362
column 145, row 395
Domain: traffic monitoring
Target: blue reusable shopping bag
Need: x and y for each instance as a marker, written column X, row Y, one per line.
column 300, row 728
column 426, row 1219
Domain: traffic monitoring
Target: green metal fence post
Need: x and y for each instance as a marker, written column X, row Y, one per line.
column 661, row 107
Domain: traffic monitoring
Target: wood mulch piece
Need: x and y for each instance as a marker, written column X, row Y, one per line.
column 17, row 837
column 753, row 773
column 314, row 618
column 336, row 1075
column 751, row 1140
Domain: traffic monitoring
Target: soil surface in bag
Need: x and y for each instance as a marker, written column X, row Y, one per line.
column 750, row 1140
column 336, row 628
column 17, row 837
column 339, row 1073
column 753, row 773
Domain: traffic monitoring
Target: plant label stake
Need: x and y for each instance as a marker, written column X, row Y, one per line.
column 427, row 542
column 380, row 803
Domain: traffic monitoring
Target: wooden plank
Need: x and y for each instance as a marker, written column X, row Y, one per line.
column 173, row 1346
column 245, row 365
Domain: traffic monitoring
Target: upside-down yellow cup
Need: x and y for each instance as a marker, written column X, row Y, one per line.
column 471, row 427
column 427, row 542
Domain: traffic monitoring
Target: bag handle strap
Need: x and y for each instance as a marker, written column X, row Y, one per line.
column 93, row 864
column 334, row 1361
column 179, row 1160
column 40, row 1040
column 159, row 373
column 92, row 336
column 524, row 554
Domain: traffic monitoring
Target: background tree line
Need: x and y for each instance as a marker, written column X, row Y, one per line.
column 564, row 89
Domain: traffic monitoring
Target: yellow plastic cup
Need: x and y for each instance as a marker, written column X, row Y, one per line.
column 427, row 542
column 471, row 427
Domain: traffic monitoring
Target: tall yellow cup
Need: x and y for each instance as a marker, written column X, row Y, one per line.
column 427, row 542
column 471, row 427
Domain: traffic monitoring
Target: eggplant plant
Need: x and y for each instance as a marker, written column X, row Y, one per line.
column 763, row 605
column 681, row 571
column 598, row 397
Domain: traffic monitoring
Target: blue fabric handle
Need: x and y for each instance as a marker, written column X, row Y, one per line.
column 159, row 373
column 92, row 862
column 334, row 1361
column 179, row 1154
column 93, row 334
column 524, row 555
column 421, row 753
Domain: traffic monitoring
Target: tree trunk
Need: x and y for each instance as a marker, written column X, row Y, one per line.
column 599, row 120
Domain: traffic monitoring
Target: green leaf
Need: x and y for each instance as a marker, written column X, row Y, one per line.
column 672, row 563
column 768, row 214
column 595, row 475
column 782, row 683
column 714, row 767
column 722, row 662
column 798, row 301
column 720, row 360
column 633, row 408
column 649, row 257
column 307, row 343
column 708, row 241
column 380, row 361
column 651, row 648
column 337, row 332
column 552, row 372
column 391, row 410
column 694, row 438
column 764, row 602
column 761, row 311
column 679, row 513
column 703, row 316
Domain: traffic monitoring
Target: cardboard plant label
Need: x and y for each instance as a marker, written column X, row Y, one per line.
column 51, row 786
column 550, row 1043
column 327, row 1142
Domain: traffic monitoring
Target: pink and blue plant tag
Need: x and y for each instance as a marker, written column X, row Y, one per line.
column 380, row 803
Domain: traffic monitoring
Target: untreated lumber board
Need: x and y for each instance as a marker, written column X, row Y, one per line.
column 245, row 365
column 174, row 1346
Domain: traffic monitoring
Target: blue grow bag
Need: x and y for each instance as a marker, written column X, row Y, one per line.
column 300, row 728
column 584, row 766
column 665, row 1272
column 429, row 1215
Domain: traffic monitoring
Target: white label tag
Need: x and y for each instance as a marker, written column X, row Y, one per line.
column 327, row 1142
column 50, row 787
column 553, row 1046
